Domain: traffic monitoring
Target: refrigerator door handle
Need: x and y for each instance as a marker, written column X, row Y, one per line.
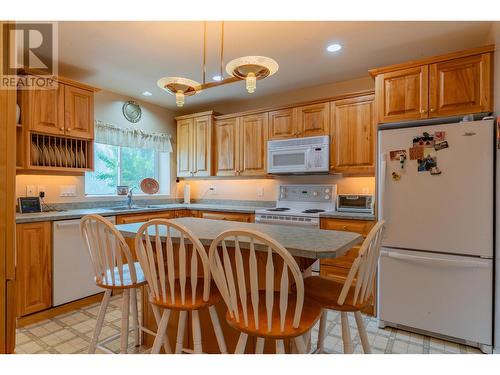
column 383, row 171
column 441, row 262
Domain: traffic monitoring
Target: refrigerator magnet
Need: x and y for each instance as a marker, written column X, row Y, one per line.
column 439, row 136
column 427, row 163
column 435, row 171
column 396, row 176
column 440, row 145
column 416, row 153
column 397, row 154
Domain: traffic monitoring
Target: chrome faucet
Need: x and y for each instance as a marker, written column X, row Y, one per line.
column 130, row 198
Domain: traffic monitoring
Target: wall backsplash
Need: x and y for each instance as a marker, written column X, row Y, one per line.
column 248, row 189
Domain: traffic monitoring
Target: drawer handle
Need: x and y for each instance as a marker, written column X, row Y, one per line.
column 344, row 227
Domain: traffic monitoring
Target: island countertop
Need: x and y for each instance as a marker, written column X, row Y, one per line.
column 301, row 242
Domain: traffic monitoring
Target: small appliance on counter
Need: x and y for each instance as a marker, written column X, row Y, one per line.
column 187, row 194
column 360, row 203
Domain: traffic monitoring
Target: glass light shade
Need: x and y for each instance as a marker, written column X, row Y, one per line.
column 261, row 66
column 179, row 98
column 251, row 82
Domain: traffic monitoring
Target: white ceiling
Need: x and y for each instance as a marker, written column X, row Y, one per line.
column 129, row 57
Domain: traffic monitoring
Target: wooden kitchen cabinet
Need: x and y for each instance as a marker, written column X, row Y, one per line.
column 33, row 267
column 402, row 95
column 313, row 120
column 194, row 145
column 283, row 124
column 43, row 110
column 338, row 268
column 460, row 86
column 140, row 217
column 186, row 213
column 226, row 147
column 230, row 216
column 241, row 145
column 353, row 136
column 184, row 147
column 454, row 84
column 63, row 111
column 78, row 112
column 253, row 131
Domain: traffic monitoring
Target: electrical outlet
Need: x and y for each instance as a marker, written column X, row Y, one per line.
column 212, row 190
column 260, row 191
column 31, row 191
column 42, row 189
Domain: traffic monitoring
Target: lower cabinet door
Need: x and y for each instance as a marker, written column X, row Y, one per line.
column 445, row 294
column 33, row 267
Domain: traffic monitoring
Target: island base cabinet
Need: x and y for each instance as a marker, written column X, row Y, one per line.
column 33, row 267
column 231, row 336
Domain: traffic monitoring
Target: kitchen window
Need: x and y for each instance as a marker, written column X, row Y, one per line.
column 126, row 157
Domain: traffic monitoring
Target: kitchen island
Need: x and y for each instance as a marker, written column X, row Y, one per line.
column 305, row 244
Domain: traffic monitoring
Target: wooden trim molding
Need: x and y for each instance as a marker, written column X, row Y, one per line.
column 269, row 109
column 432, row 60
column 199, row 114
column 7, row 214
column 66, row 81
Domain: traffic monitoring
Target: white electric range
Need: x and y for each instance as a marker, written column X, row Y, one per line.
column 299, row 205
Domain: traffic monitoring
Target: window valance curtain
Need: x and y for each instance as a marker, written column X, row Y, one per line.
column 113, row 135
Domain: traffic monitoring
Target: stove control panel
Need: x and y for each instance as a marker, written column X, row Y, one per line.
column 307, row 193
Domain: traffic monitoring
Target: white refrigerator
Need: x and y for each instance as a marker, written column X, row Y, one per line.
column 436, row 264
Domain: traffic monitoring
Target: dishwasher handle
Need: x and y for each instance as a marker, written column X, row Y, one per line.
column 76, row 223
column 436, row 261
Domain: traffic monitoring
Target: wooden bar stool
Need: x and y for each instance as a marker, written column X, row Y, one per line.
column 262, row 313
column 114, row 269
column 184, row 291
column 353, row 295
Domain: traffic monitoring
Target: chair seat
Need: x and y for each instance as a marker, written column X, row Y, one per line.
column 127, row 280
column 311, row 312
column 327, row 291
column 213, row 298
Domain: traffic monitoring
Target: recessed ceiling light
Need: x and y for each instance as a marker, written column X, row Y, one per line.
column 334, row 47
column 147, row 93
column 217, row 78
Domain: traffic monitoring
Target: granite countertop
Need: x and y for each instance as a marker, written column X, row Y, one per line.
column 301, row 242
column 107, row 211
column 348, row 215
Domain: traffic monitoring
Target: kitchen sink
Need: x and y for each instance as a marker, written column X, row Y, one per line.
column 125, row 208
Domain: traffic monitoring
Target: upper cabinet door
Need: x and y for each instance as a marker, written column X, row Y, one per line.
column 202, row 139
column 353, row 136
column 79, row 112
column 184, row 147
column 402, row 95
column 46, row 110
column 283, row 124
column 313, row 120
column 460, row 86
column 226, row 147
column 253, row 145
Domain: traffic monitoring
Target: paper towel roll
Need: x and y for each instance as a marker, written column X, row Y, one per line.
column 187, row 194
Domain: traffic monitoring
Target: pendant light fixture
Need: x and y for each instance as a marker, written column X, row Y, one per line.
column 248, row 68
column 252, row 68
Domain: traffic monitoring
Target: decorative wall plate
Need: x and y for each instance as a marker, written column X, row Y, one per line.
column 132, row 111
column 150, row 186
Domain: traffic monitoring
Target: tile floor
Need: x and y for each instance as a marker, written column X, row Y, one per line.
column 71, row 333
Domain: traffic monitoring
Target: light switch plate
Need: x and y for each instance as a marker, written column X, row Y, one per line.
column 260, row 191
column 212, row 190
column 67, row 190
column 42, row 188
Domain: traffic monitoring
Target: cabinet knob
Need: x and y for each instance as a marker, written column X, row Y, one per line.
column 61, row 128
column 433, row 109
column 423, row 111
column 68, row 129
column 344, row 227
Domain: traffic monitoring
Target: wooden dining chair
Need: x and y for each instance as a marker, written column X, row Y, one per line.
column 353, row 295
column 114, row 270
column 262, row 311
column 175, row 280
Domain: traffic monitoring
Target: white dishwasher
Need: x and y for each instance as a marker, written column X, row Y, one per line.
column 73, row 276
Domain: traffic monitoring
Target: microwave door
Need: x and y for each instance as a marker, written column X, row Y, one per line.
column 283, row 161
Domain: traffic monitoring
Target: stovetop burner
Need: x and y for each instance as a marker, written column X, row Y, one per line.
column 279, row 209
column 312, row 211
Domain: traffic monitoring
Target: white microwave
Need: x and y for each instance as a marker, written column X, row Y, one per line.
column 298, row 155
